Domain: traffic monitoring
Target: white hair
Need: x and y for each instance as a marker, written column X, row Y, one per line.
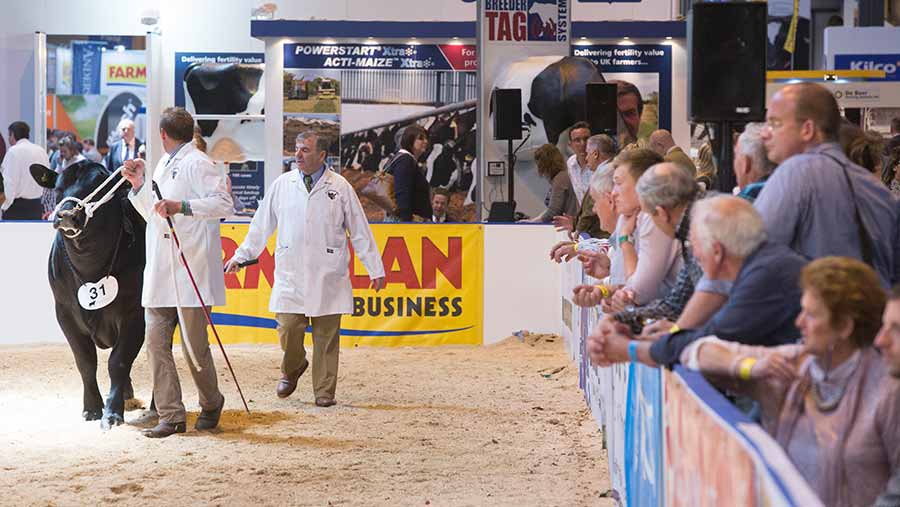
column 602, row 179
column 730, row 221
column 124, row 122
column 751, row 145
column 667, row 185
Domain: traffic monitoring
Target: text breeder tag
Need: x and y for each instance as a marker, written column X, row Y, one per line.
column 96, row 295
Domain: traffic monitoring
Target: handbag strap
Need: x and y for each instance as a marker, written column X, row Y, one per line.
column 866, row 245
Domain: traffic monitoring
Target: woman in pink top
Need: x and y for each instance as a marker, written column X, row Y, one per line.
column 830, row 402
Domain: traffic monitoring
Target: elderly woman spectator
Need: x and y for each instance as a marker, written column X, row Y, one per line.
column 831, row 402
column 561, row 199
column 597, row 258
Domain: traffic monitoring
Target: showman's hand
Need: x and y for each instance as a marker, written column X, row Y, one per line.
column 232, row 266
column 167, row 208
column 133, row 171
column 378, row 283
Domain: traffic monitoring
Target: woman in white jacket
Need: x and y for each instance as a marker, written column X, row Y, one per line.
column 313, row 209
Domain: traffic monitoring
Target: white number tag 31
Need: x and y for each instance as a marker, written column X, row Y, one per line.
column 93, row 296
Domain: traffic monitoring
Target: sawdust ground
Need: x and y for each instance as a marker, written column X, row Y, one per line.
column 494, row 425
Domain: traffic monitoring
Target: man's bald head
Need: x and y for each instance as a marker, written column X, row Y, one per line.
column 814, row 102
column 661, row 141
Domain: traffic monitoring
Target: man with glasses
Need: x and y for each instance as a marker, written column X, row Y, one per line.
column 128, row 147
column 818, row 202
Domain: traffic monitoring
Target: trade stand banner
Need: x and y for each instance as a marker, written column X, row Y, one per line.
column 362, row 96
column 86, row 66
column 434, row 292
column 228, row 87
column 646, row 66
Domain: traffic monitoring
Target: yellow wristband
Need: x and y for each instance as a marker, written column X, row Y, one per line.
column 745, row 366
column 575, row 245
column 604, row 290
column 674, row 329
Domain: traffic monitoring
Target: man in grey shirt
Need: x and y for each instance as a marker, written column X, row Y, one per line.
column 810, row 203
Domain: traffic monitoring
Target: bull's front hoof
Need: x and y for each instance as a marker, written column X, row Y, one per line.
column 92, row 415
column 110, row 420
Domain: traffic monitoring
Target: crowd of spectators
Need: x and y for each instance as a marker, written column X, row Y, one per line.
column 779, row 293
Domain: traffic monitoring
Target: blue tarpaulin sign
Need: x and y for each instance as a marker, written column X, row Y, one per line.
column 86, row 60
column 644, row 437
column 380, row 56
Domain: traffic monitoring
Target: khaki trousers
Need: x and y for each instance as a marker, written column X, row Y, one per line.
column 161, row 324
column 326, row 348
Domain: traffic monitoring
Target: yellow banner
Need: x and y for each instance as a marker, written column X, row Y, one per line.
column 433, row 296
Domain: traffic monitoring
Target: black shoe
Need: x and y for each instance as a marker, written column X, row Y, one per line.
column 209, row 419
column 164, row 429
column 325, row 402
column 288, row 383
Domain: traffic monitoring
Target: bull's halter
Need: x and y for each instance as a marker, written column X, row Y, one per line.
column 86, row 204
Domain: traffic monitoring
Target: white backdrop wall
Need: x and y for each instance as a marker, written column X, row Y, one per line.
column 521, row 285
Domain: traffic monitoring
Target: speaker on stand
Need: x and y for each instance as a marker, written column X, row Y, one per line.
column 727, row 72
column 601, row 108
column 507, row 126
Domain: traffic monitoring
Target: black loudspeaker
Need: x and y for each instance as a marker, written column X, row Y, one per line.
column 601, row 109
column 727, row 72
column 507, row 113
column 502, row 211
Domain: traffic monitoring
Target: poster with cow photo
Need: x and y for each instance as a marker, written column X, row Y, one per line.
column 225, row 92
column 375, row 91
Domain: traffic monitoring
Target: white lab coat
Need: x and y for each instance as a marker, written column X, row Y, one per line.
column 191, row 177
column 312, row 256
column 16, row 172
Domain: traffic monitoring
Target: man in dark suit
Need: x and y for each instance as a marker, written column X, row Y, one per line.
column 127, row 148
column 440, row 201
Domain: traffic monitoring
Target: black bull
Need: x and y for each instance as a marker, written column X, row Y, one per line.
column 111, row 242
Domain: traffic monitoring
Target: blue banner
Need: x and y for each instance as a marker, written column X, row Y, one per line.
column 647, row 66
column 86, row 59
column 247, row 183
column 380, row 56
column 644, row 437
column 888, row 63
column 185, row 60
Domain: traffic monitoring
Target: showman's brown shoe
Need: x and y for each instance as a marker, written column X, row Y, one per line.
column 209, row 419
column 325, row 402
column 288, row 383
column 164, row 429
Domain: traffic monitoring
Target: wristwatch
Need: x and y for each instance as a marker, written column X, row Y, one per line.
column 626, row 238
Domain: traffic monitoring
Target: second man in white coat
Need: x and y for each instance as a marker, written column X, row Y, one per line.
column 313, row 209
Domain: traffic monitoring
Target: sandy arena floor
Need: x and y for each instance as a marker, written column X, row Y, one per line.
column 496, row 425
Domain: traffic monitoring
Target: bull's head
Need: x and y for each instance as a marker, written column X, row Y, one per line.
column 77, row 181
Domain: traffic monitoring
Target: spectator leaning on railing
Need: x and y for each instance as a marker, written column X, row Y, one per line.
column 729, row 242
column 831, row 402
column 650, row 256
column 888, row 342
column 752, row 167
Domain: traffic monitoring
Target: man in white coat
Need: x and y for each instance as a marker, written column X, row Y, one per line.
column 313, row 209
column 195, row 198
